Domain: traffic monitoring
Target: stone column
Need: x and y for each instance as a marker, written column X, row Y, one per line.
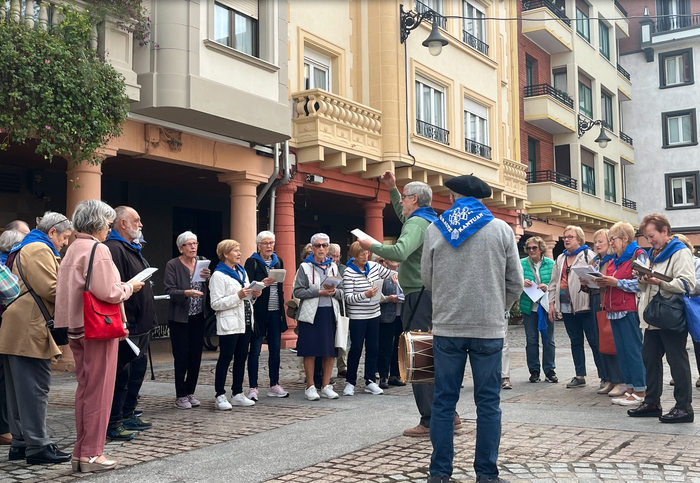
column 286, row 248
column 243, row 207
column 551, row 241
column 374, row 218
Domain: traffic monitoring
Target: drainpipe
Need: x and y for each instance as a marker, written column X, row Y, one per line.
column 273, row 177
column 285, row 179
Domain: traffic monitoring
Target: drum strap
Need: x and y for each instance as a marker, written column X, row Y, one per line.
column 407, row 325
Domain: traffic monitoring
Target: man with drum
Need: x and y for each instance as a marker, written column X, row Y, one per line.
column 472, row 268
column 414, row 210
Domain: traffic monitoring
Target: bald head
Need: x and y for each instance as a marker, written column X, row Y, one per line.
column 128, row 223
column 18, row 225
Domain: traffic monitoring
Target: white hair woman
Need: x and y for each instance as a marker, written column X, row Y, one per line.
column 186, row 315
column 8, row 239
column 318, row 314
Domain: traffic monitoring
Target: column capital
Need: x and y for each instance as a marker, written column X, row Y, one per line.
column 238, row 177
column 372, row 204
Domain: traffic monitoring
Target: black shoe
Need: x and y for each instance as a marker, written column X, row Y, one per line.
column 483, row 479
column 645, row 411
column 396, row 381
column 534, row 376
column 49, row 455
column 676, row 415
column 551, row 377
column 17, row 453
column 438, row 479
column 383, row 383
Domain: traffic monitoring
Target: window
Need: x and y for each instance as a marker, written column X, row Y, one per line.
column 476, row 129
column 235, row 29
column 435, row 6
column 682, row 190
column 679, row 128
column 582, row 22
column 317, row 71
column 673, row 14
column 676, row 68
column 606, row 110
column 528, row 71
column 474, row 33
column 604, row 39
column 587, row 172
column 430, row 110
column 609, row 173
column 560, row 80
column 585, row 99
column 531, row 158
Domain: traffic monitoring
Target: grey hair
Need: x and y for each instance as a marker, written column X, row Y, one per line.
column 121, row 213
column 16, row 225
column 456, row 196
column 51, row 219
column 422, row 190
column 320, row 236
column 183, row 237
column 263, row 235
column 93, row 216
column 333, row 247
column 10, row 238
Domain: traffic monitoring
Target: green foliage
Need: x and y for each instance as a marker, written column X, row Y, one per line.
column 516, row 316
column 56, row 91
column 132, row 17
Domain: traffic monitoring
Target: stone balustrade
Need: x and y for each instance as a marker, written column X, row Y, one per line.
column 515, row 176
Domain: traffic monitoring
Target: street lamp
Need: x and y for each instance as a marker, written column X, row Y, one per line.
column 411, row 20
column 585, row 125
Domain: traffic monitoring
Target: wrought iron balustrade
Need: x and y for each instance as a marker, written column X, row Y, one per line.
column 547, row 90
column 559, row 13
column 478, row 149
column 432, row 132
column 549, row 176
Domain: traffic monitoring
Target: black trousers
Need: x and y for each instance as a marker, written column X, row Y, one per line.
column 388, row 361
column 234, row 347
column 127, row 386
column 696, row 349
column 187, row 341
column 422, row 320
column 672, row 344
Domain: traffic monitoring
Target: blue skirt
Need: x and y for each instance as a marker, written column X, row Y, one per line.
column 318, row 339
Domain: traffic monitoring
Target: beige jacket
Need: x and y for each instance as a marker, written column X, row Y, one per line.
column 580, row 300
column 680, row 266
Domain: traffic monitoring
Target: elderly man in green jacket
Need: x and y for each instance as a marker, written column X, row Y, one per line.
column 414, row 211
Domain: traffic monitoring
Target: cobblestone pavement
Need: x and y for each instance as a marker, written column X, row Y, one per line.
column 540, row 450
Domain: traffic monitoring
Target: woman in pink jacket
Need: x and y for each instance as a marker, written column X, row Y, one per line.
column 95, row 360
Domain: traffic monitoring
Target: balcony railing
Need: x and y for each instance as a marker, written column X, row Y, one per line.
column 475, row 43
column 422, row 8
column 632, row 205
column 547, row 90
column 665, row 23
column 624, row 73
column 626, row 139
column 432, row 132
column 478, row 149
column 619, row 7
column 551, row 177
column 533, row 4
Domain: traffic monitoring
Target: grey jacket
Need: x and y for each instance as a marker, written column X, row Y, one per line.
column 388, row 308
column 474, row 285
column 306, row 289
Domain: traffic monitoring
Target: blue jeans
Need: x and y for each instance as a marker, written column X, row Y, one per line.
column 363, row 332
column 532, row 348
column 450, row 357
column 576, row 326
column 274, row 338
column 628, row 345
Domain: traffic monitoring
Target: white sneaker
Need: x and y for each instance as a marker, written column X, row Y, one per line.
column 618, row 399
column 311, row 394
column 241, row 400
column 374, row 388
column 222, row 403
column 349, row 389
column 328, row 392
column 277, row 391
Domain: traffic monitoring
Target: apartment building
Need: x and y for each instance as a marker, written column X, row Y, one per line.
column 662, row 50
column 571, row 77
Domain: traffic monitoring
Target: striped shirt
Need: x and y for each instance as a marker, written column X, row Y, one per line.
column 355, row 284
column 274, row 301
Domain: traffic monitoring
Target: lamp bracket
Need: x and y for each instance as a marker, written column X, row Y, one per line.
column 585, row 125
column 411, row 20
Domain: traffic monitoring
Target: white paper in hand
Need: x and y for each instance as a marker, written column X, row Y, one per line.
column 378, row 284
column 133, row 346
column 144, row 275
column 254, row 286
column 278, row 274
column 361, row 235
column 201, row 265
column 533, row 292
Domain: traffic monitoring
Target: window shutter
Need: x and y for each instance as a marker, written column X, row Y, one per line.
column 693, row 127
column 583, row 6
column 686, row 67
column 587, row 158
column 246, row 7
column 476, row 108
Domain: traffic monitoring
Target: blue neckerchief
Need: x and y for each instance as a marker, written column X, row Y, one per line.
column 542, row 322
column 270, row 265
column 602, row 261
column 226, row 270
column 425, row 212
column 673, row 246
column 351, row 265
column 36, row 236
column 466, row 217
column 323, row 265
column 3, row 258
column 629, row 253
column 114, row 235
column 578, row 250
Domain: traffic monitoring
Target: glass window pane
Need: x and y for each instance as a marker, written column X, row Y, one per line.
column 690, row 190
column 438, row 106
column 673, row 134
column 671, row 71
column 427, row 105
column 419, row 107
column 244, row 32
column 320, row 78
column 686, row 129
column 222, row 25
column 677, row 191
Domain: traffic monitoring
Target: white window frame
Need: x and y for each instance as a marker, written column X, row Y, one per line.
column 679, row 120
column 480, row 114
column 232, row 13
column 316, row 62
column 683, row 180
column 434, row 5
column 474, row 27
column 438, row 117
column 679, row 70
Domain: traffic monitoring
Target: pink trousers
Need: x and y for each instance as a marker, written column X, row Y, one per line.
column 95, row 370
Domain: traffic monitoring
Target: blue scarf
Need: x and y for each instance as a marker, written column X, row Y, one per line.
column 673, row 246
column 466, row 217
column 271, row 265
column 578, row 250
column 41, row 237
column 426, row 212
column 352, row 266
column 114, row 235
column 629, row 253
column 323, row 265
column 542, row 322
column 3, row 258
column 603, row 260
column 226, row 270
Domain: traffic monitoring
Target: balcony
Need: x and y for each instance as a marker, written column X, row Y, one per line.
column 422, row 8
column 666, row 23
column 623, row 72
column 549, row 109
column 619, row 7
column 515, row 177
column 432, row 132
column 475, row 43
column 481, row 150
column 626, row 139
column 629, row 204
column 551, row 177
column 626, row 148
column 547, row 26
column 335, row 131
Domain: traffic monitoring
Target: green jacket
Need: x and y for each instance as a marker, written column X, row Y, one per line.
column 408, row 249
column 545, row 277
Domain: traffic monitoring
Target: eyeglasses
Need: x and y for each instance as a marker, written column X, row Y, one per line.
column 404, row 196
column 569, row 237
column 320, row 245
column 531, row 249
column 613, row 238
column 191, row 245
column 267, row 243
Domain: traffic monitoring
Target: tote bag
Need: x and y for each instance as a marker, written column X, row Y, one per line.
column 342, row 328
column 101, row 320
column 606, row 341
column 692, row 313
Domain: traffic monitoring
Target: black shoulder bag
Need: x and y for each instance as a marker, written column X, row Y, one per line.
column 60, row 336
column 666, row 313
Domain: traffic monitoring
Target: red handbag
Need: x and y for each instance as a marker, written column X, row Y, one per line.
column 606, row 341
column 101, row 320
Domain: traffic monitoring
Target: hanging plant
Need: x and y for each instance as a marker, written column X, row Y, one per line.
column 131, row 15
column 57, row 92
